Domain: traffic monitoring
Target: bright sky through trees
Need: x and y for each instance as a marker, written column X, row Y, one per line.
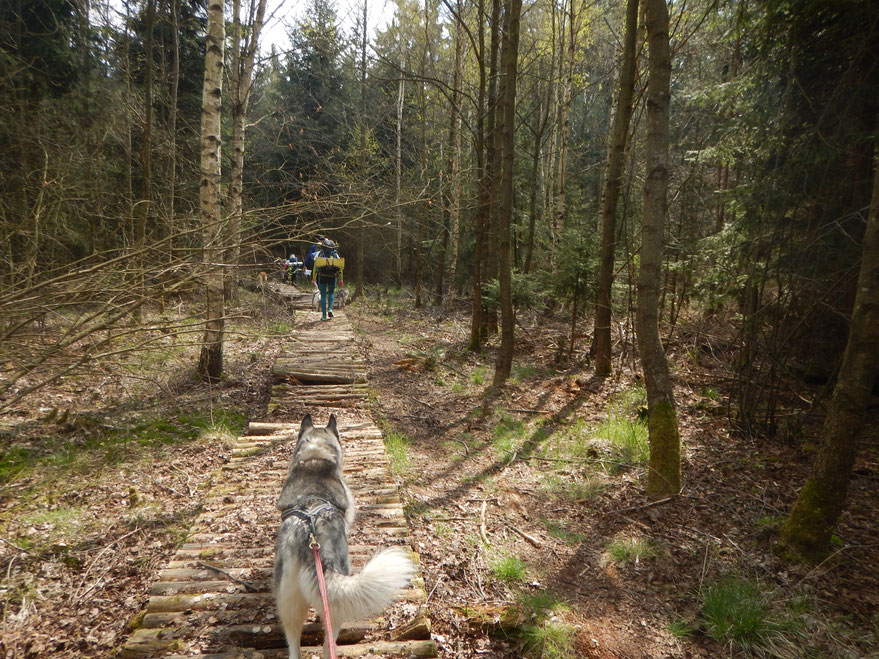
column 283, row 15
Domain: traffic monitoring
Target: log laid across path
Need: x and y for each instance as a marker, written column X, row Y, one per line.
column 213, row 599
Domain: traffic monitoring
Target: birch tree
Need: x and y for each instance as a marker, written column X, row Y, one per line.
column 210, row 363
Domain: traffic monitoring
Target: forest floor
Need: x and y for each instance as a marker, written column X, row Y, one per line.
column 527, row 507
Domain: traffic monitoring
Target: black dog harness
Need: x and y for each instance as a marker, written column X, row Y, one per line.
column 309, row 515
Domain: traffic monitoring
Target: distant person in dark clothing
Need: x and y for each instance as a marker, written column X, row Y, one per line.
column 328, row 267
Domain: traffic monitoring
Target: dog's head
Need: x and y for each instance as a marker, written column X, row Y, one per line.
column 318, row 449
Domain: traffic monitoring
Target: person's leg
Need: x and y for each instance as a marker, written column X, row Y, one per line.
column 322, row 287
column 331, row 293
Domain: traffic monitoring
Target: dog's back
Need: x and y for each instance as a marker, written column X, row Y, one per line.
column 315, row 500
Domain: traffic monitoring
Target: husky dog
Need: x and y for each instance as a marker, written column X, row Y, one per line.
column 316, row 500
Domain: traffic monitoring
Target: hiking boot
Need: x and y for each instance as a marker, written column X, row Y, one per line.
column 330, row 314
column 324, row 317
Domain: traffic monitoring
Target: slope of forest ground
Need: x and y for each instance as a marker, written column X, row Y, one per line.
column 527, row 507
column 529, row 512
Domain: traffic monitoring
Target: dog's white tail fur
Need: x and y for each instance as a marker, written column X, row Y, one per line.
column 369, row 591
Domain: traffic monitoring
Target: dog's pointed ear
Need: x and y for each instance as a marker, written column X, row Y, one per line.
column 307, row 424
column 331, row 425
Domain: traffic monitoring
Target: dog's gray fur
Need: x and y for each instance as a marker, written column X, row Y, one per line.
column 315, row 487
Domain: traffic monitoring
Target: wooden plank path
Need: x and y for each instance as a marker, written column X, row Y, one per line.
column 213, row 599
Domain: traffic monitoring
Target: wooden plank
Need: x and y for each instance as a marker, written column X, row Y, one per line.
column 375, row 649
column 320, row 377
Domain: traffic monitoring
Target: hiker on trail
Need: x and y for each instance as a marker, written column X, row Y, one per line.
column 292, row 268
column 327, row 268
column 309, row 258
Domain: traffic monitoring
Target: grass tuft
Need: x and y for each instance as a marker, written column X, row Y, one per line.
column 587, row 487
column 560, row 530
column 509, row 569
column 505, row 434
column 397, row 446
column 478, row 375
column 740, row 612
column 680, row 629
column 546, row 635
column 629, row 549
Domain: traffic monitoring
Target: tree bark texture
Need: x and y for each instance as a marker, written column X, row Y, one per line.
column 455, row 143
column 820, row 503
column 613, row 180
column 493, row 162
column 241, row 79
column 172, row 116
column 483, row 176
column 398, row 156
column 210, row 364
column 505, row 211
column 565, row 123
column 664, row 471
column 361, row 230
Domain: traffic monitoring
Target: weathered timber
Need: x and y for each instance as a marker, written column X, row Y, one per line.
column 319, row 377
column 417, row 628
column 375, row 649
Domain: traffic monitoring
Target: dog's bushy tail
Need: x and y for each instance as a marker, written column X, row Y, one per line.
column 369, row 591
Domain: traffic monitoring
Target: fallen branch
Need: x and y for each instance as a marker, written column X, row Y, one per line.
column 530, row 539
column 644, row 506
column 482, row 523
column 250, row 588
column 526, row 410
column 435, row 586
column 21, row 549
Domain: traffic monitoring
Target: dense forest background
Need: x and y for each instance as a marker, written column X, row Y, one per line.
column 462, row 152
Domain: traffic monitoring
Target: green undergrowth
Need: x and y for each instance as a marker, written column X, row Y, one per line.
column 53, row 476
column 543, row 632
column 625, row 548
column 624, row 426
column 753, row 617
column 94, row 445
column 560, row 530
column 508, row 568
column 507, row 434
column 397, row 446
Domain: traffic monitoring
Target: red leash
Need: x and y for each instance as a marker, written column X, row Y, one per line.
column 328, row 625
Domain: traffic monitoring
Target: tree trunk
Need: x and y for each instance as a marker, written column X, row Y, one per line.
column 399, row 172
column 455, row 160
column 565, row 124
column 361, row 230
column 819, row 504
column 558, row 23
column 210, row 363
column 172, row 118
column 241, row 81
column 146, row 149
column 664, row 471
column 613, row 180
column 532, row 201
column 493, row 163
column 504, row 362
column 481, row 218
